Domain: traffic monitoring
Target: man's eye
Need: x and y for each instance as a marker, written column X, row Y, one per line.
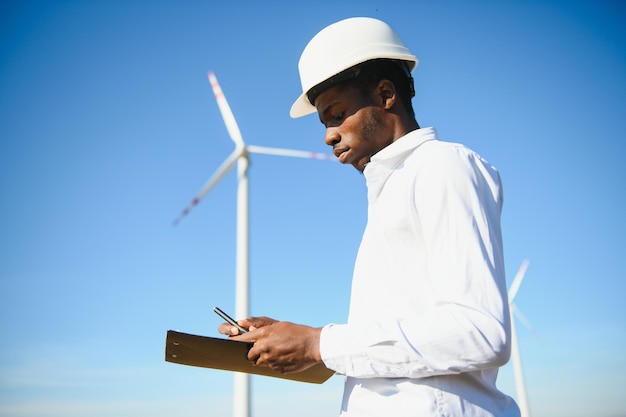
column 339, row 117
column 334, row 120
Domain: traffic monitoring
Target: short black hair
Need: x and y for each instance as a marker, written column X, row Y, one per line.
column 367, row 74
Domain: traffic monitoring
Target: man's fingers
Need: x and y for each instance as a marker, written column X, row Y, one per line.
column 228, row 329
column 257, row 322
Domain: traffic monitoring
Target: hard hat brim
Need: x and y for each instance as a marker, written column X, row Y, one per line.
column 301, row 107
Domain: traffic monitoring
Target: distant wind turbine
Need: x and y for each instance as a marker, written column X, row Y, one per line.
column 241, row 400
column 520, row 386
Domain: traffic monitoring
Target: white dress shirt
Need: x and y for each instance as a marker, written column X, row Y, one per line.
column 429, row 320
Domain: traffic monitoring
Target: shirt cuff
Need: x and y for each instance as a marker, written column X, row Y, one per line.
column 338, row 345
column 328, row 346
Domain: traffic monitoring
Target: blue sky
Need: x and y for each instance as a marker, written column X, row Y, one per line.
column 108, row 128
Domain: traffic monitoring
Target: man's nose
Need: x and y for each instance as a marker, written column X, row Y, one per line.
column 332, row 136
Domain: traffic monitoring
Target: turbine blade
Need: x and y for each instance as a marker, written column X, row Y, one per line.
column 215, row 178
column 227, row 113
column 289, row 152
column 517, row 281
column 522, row 318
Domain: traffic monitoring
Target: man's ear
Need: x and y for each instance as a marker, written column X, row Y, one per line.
column 386, row 91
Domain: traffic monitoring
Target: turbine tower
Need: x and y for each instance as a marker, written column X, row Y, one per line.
column 241, row 398
column 520, row 386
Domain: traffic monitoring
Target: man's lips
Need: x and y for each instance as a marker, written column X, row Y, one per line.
column 341, row 153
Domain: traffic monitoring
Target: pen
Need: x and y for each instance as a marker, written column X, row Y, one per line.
column 229, row 319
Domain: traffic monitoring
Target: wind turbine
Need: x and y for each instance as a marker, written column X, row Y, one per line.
column 241, row 400
column 520, row 386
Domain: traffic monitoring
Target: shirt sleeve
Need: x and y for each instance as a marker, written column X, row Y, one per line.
column 458, row 201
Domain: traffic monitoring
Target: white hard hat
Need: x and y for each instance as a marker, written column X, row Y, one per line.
column 341, row 46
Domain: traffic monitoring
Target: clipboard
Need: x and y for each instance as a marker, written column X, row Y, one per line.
column 229, row 355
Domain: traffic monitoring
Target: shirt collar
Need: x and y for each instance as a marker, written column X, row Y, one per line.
column 382, row 164
column 393, row 154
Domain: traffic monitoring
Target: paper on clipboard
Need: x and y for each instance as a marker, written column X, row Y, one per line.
column 229, row 355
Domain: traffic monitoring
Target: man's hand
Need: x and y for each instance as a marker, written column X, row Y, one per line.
column 283, row 346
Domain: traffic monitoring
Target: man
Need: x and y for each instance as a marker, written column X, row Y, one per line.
column 428, row 326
